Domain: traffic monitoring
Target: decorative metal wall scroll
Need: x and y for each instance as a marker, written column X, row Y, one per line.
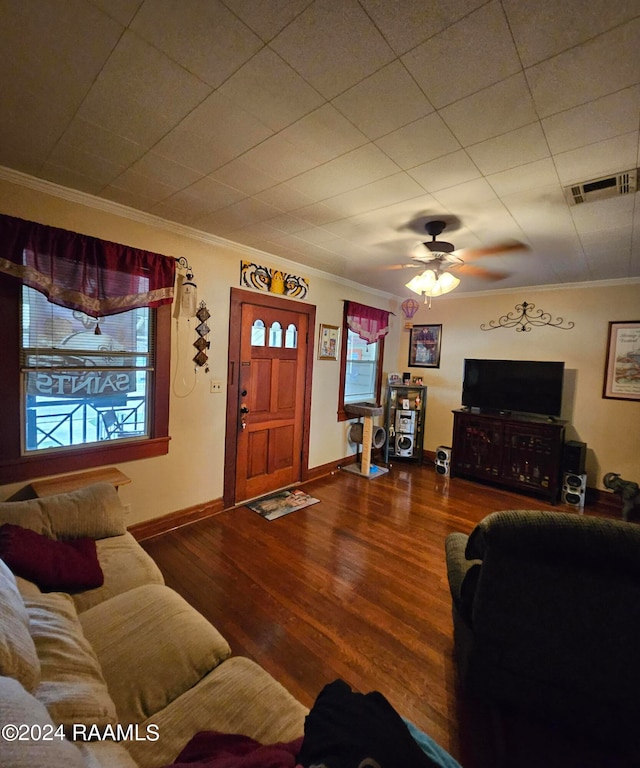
column 202, row 330
column 273, row 280
column 523, row 319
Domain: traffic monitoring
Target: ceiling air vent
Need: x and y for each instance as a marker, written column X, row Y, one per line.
column 623, row 183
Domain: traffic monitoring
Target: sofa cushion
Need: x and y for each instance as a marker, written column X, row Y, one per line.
column 236, row 697
column 16, row 707
column 71, row 683
column 94, row 512
column 105, row 754
column 152, row 647
column 64, row 566
column 18, row 657
column 125, row 565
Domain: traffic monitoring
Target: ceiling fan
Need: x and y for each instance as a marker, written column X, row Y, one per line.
column 438, row 258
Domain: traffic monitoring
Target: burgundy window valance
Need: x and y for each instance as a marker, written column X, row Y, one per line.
column 94, row 276
column 369, row 323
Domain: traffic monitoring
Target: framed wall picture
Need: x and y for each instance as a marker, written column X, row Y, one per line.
column 424, row 346
column 328, row 342
column 622, row 369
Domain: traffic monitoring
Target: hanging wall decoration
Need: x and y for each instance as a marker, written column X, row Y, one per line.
column 524, row 318
column 201, row 344
column 273, row 280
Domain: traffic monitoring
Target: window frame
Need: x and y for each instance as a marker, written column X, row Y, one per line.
column 14, row 466
column 342, row 413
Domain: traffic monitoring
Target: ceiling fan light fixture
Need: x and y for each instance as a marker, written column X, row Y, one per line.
column 430, row 283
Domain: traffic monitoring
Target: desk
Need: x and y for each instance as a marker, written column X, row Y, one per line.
column 53, row 485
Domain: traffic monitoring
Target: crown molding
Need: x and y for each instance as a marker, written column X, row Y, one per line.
column 142, row 217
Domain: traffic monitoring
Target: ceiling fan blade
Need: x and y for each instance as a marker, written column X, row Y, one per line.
column 482, row 273
column 494, row 250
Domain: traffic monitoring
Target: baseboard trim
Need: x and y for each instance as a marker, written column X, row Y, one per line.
column 158, row 525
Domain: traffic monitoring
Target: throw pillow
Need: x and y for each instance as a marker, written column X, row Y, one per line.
column 55, row 566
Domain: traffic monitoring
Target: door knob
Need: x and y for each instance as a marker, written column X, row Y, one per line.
column 244, row 409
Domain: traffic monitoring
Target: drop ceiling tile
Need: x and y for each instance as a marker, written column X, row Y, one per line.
column 67, row 177
column 92, row 138
column 406, row 23
column 137, row 79
column 611, row 215
column 324, row 134
column 316, row 236
column 271, row 90
column 356, row 168
column 165, row 171
column 120, row 10
column 453, row 64
column 541, row 173
column 215, row 132
column 288, row 223
column 419, row 142
column 524, row 145
column 279, row 158
column 589, row 123
column 241, row 214
column 605, row 157
column 446, row 171
column 496, row 110
column 245, row 177
column 383, row 101
column 333, row 46
column 267, row 19
column 85, row 163
column 283, row 197
column 544, row 28
column 203, row 36
column 143, row 186
column 601, row 66
column 128, row 198
column 378, row 194
column 204, row 196
column 319, row 214
column 465, row 197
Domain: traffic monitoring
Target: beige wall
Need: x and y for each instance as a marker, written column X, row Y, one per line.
column 611, row 428
column 192, row 472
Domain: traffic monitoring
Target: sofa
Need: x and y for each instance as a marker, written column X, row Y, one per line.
column 546, row 614
column 107, row 667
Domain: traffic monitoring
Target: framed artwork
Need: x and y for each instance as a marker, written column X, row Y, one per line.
column 328, row 342
column 424, row 346
column 622, row 369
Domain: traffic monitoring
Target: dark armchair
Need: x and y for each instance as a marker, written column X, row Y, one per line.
column 546, row 611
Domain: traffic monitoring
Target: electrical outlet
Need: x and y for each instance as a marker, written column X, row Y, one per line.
column 215, row 387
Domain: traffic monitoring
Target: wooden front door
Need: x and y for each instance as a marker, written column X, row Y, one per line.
column 269, row 394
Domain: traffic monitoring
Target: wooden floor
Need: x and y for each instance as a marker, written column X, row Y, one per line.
column 355, row 588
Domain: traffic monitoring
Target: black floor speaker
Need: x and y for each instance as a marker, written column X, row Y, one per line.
column 574, row 488
column 574, row 456
column 443, row 460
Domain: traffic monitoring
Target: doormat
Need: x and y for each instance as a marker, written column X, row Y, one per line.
column 281, row 503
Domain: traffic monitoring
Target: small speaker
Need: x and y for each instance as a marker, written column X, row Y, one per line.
column 574, row 456
column 574, row 488
column 443, row 460
column 404, row 445
column 406, row 422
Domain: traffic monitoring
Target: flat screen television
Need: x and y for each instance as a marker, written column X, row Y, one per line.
column 521, row 386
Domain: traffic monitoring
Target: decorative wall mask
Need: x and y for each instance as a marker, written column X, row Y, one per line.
column 273, row 280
